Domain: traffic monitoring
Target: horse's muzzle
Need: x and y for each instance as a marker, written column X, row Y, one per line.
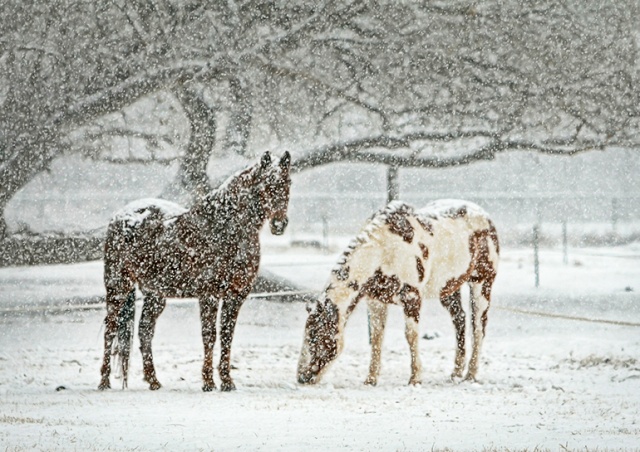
column 278, row 226
column 305, row 378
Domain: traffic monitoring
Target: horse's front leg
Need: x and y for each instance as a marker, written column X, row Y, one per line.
column 412, row 334
column 152, row 308
column 208, row 315
column 228, row 319
column 412, row 301
column 377, row 323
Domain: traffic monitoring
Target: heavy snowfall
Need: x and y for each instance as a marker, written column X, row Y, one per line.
column 529, row 109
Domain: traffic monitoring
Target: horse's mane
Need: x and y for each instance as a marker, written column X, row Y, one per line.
column 375, row 222
column 227, row 193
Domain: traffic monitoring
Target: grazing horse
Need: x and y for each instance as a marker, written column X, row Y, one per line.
column 210, row 252
column 401, row 257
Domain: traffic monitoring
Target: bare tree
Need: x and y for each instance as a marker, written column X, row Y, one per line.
column 424, row 84
column 456, row 84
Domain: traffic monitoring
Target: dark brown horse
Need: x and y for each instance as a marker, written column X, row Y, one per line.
column 210, row 252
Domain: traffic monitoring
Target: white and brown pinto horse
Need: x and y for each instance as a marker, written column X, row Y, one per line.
column 210, row 252
column 401, row 257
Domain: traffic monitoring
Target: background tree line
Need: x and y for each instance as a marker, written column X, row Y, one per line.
column 422, row 84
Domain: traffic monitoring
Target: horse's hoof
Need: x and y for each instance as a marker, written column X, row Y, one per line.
column 155, row 385
column 470, row 378
column 371, row 381
column 208, row 387
column 415, row 382
column 104, row 385
column 227, row 386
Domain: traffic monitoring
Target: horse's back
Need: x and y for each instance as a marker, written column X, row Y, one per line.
column 136, row 212
column 134, row 230
column 456, row 226
column 471, row 213
column 138, row 219
column 438, row 235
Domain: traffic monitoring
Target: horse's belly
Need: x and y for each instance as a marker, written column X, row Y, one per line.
column 168, row 274
column 171, row 287
column 173, row 271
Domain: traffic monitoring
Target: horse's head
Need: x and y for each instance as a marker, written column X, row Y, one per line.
column 321, row 343
column 274, row 184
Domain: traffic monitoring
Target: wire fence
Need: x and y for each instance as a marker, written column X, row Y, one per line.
column 578, row 218
column 64, row 309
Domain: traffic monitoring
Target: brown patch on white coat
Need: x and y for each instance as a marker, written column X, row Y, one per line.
column 449, row 243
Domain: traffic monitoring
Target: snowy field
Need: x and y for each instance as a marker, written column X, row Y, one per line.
column 546, row 382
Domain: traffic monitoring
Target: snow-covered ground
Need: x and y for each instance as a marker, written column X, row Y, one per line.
column 546, row 382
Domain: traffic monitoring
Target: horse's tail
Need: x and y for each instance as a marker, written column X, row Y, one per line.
column 126, row 319
column 493, row 235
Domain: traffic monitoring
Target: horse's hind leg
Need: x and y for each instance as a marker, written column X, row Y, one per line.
column 228, row 319
column 377, row 322
column 208, row 314
column 152, row 308
column 453, row 303
column 126, row 321
column 480, row 299
column 115, row 302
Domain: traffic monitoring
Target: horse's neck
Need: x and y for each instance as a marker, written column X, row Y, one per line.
column 223, row 214
column 343, row 297
column 358, row 263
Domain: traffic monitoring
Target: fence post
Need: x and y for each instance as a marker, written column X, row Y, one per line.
column 565, row 244
column 325, row 232
column 536, row 250
column 536, row 242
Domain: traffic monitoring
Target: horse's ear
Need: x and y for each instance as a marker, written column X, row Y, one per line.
column 311, row 307
column 265, row 161
column 285, row 161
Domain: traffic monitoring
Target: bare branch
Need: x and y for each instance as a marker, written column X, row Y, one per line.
column 359, row 151
column 153, row 138
column 114, row 98
column 314, row 82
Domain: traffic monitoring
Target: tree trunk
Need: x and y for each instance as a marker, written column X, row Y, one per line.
column 3, row 227
column 192, row 173
column 239, row 127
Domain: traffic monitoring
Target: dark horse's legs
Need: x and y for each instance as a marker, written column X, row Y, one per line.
column 228, row 318
column 115, row 301
column 208, row 314
column 151, row 309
